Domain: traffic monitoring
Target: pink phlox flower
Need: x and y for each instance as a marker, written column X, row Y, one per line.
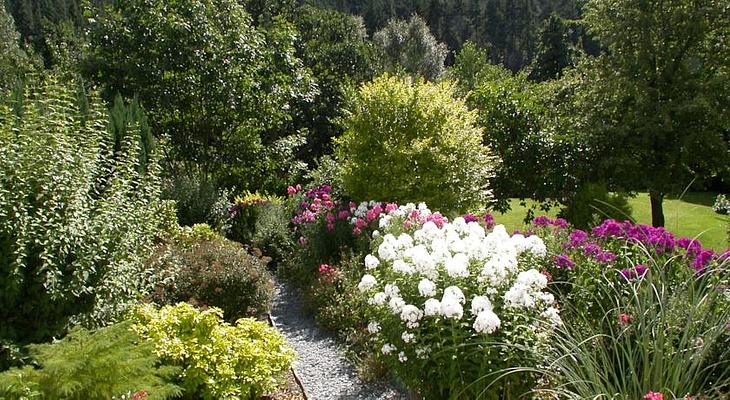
column 654, row 396
column 390, row 207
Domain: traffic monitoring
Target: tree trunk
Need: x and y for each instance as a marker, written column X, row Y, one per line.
column 657, row 210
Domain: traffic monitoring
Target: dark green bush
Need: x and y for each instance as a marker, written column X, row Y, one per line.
column 593, row 203
column 91, row 365
column 193, row 191
column 212, row 272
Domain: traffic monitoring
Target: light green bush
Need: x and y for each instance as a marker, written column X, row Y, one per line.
column 219, row 360
column 77, row 218
column 414, row 141
column 91, row 365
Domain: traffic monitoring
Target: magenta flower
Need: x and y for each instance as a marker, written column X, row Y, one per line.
column 291, row 190
column 641, row 270
column 563, row 261
column 470, row 218
column 624, row 319
column 576, row 239
column 605, row 257
column 489, row 221
column 390, row 207
column 702, row 259
column 542, row 220
column 343, row 215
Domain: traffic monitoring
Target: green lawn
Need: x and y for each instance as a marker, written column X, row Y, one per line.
column 691, row 216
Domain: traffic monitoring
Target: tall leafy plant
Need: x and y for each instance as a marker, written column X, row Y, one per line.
column 77, row 217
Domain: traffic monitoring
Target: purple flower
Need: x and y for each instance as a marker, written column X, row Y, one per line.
column 542, row 221
column 563, row 261
column 627, row 273
column 702, row 259
column 692, row 246
column 605, row 257
column 489, row 221
column 592, row 249
column 560, row 223
column 641, row 269
column 608, row 228
column 576, row 239
column 470, row 218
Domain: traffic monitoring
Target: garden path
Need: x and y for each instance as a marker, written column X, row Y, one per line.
column 321, row 367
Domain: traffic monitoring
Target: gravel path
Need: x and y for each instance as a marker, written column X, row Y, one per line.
column 324, row 372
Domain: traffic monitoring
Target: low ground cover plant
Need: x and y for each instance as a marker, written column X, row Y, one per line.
column 103, row 364
column 218, row 360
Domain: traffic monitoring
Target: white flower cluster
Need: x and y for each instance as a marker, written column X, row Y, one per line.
column 451, row 272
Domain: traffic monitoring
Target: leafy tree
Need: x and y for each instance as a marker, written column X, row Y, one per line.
column 335, row 47
column 209, row 78
column 657, row 101
column 414, row 141
column 410, row 45
column 540, row 160
column 472, row 67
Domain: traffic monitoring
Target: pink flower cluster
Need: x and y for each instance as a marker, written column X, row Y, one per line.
column 654, row 396
column 327, row 273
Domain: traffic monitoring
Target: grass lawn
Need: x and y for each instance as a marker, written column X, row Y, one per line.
column 691, row 216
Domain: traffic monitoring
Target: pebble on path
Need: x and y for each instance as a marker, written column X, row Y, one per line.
column 320, row 365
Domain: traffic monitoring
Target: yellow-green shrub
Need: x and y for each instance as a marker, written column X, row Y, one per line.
column 219, row 360
column 414, row 141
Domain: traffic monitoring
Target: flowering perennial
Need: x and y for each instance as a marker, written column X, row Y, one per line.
column 436, row 287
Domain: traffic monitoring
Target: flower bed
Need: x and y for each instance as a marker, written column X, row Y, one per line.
column 459, row 308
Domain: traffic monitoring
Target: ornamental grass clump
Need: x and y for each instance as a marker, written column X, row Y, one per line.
column 655, row 338
column 454, row 307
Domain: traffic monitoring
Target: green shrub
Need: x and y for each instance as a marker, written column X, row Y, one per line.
column 593, row 203
column 271, row 234
column 219, row 360
column 244, row 213
column 193, row 191
column 212, row 271
column 77, row 218
column 411, row 142
column 91, row 365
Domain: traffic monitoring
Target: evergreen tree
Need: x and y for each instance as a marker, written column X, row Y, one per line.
column 553, row 50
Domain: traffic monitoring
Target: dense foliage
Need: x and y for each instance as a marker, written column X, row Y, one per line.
column 408, row 140
column 508, row 29
column 211, row 80
column 209, row 270
column 77, row 217
column 411, row 46
column 656, row 102
column 218, row 360
column 106, row 363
